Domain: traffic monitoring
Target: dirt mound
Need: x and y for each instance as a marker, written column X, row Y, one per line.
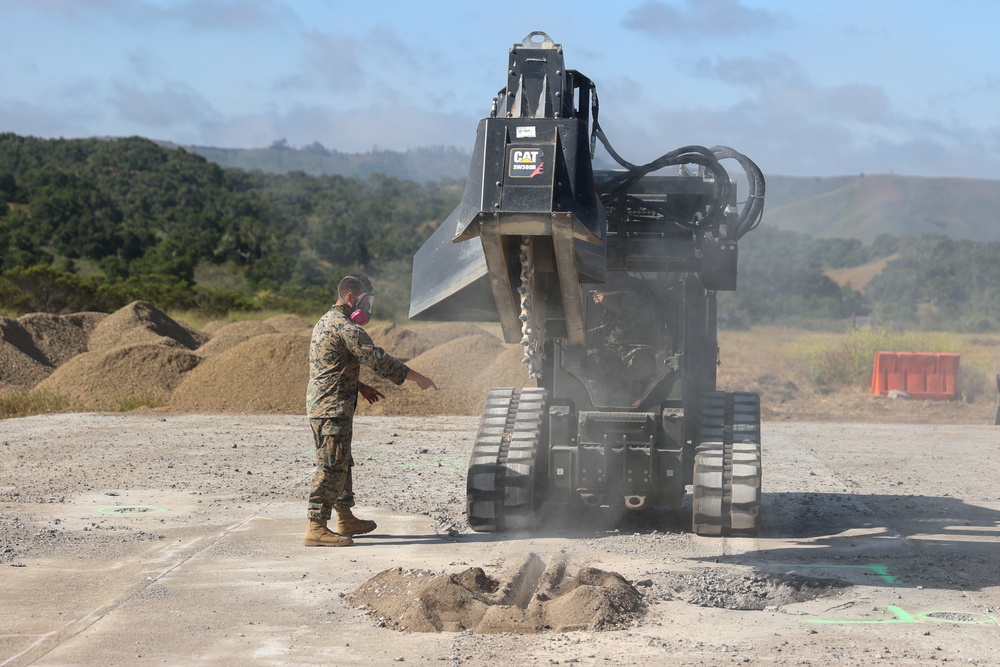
column 19, row 371
column 60, row 337
column 34, row 344
column 530, row 598
column 214, row 326
column 288, row 324
column 442, row 332
column 399, row 341
column 455, row 368
column 142, row 322
column 105, row 379
column 506, row 370
column 22, row 364
column 267, row 373
column 232, row 334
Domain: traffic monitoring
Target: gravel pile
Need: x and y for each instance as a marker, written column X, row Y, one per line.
column 122, row 376
column 33, row 345
column 139, row 355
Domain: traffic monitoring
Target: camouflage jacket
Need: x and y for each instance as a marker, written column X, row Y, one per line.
column 338, row 348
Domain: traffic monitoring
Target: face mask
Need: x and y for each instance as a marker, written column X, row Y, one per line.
column 363, row 310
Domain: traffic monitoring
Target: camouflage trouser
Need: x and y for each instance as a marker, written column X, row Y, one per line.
column 331, row 485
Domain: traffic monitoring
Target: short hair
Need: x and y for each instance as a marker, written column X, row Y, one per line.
column 354, row 282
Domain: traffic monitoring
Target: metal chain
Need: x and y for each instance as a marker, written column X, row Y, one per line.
column 529, row 330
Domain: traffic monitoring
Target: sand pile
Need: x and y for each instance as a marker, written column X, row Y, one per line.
column 142, row 322
column 60, row 337
column 232, row 334
column 288, row 324
column 463, row 370
column 139, row 354
column 266, row 373
column 111, row 379
column 399, row 341
column 530, row 598
column 33, row 345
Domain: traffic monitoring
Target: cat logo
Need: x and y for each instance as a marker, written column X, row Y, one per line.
column 526, row 162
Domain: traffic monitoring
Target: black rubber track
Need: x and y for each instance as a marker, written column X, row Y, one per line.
column 727, row 466
column 500, row 487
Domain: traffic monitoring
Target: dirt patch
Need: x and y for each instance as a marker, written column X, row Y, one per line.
column 530, row 598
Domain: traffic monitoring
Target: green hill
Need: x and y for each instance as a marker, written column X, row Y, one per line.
column 431, row 163
column 860, row 207
column 864, row 207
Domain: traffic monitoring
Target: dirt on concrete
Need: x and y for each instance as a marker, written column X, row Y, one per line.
column 122, row 532
column 531, row 597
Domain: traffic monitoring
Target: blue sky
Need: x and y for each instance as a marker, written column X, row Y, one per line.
column 805, row 88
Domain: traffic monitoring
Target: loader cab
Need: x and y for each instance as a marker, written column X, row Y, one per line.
column 630, row 358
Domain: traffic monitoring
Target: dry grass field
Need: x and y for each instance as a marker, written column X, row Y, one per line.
column 782, row 365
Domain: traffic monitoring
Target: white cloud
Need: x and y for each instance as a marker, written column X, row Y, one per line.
column 172, row 105
column 227, row 15
column 358, row 130
column 31, row 120
column 699, row 18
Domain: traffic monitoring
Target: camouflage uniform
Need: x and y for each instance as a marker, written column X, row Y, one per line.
column 338, row 348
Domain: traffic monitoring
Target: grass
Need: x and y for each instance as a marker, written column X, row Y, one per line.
column 827, row 361
column 138, row 402
column 26, row 404
column 850, row 361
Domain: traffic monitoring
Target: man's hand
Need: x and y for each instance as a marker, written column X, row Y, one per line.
column 422, row 381
column 370, row 394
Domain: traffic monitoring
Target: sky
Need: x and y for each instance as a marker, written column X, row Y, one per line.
column 807, row 88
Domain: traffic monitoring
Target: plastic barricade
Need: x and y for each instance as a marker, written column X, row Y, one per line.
column 929, row 375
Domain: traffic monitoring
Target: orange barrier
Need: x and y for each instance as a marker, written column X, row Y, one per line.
column 932, row 375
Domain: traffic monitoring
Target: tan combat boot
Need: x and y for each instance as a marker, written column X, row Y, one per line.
column 318, row 535
column 348, row 524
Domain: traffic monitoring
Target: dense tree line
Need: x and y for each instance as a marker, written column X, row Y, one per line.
column 931, row 282
column 93, row 224
column 100, row 222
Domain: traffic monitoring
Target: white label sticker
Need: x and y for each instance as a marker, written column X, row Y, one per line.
column 525, row 132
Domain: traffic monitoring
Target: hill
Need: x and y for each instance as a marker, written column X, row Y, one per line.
column 867, row 206
column 858, row 277
column 430, row 163
column 853, row 207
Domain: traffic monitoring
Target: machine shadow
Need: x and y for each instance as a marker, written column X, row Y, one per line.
column 926, row 541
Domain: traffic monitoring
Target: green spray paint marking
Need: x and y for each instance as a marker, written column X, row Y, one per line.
column 880, row 570
column 958, row 617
